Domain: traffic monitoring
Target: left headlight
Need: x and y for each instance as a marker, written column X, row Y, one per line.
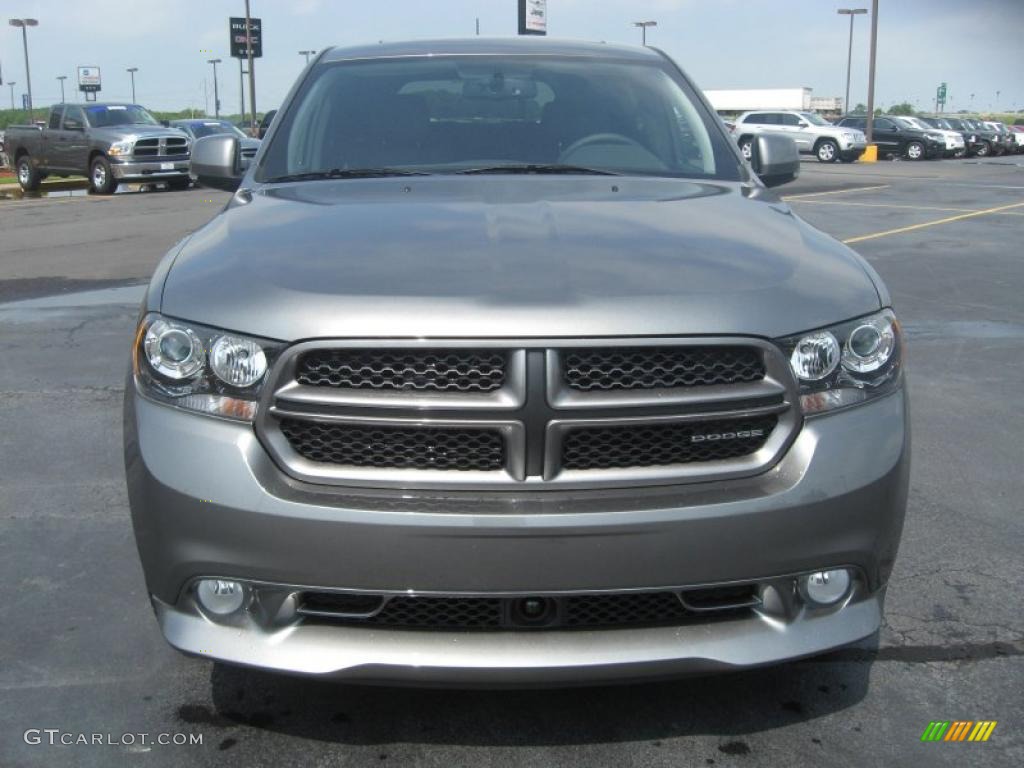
column 199, row 368
column 120, row 148
column 847, row 364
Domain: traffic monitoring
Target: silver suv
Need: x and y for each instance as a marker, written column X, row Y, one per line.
column 812, row 133
column 502, row 366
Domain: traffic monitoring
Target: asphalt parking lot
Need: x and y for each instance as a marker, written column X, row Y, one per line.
column 81, row 652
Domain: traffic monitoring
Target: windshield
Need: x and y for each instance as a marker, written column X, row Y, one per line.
column 119, row 114
column 814, row 119
column 199, row 129
column 450, row 114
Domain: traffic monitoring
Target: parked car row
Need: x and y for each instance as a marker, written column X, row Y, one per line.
column 915, row 138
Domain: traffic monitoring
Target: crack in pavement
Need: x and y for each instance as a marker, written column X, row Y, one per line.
column 923, row 654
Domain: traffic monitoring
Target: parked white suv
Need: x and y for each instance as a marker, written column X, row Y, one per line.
column 812, row 133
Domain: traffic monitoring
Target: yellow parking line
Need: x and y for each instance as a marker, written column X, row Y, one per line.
column 947, row 220
column 836, row 192
column 887, row 205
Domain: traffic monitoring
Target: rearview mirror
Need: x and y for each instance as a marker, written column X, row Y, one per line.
column 775, row 159
column 216, row 162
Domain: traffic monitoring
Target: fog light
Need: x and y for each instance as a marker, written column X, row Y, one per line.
column 826, row 587
column 220, row 597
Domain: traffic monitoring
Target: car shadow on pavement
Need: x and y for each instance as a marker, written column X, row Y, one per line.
column 729, row 705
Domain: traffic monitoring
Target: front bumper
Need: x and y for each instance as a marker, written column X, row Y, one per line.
column 207, row 501
column 155, row 169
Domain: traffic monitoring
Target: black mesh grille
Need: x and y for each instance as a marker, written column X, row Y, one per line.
column 660, row 367
column 597, row 611
column 616, row 610
column 396, row 447
column 441, row 612
column 455, row 370
column 660, row 444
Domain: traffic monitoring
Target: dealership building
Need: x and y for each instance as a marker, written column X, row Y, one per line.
column 736, row 100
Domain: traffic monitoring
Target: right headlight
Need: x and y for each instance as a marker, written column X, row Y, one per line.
column 199, row 368
column 121, row 148
column 848, row 363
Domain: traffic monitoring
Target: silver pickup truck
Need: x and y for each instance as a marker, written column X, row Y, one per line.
column 108, row 143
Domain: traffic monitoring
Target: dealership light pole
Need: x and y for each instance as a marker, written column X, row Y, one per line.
column 216, row 91
column 12, row 84
column 307, row 54
column 131, row 71
column 25, row 24
column 252, row 70
column 62, row 78
column 643, row 29
column 870, row 127
column 851, row 12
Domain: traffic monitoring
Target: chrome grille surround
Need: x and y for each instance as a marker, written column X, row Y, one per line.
column 534, row 411
column 164, row 146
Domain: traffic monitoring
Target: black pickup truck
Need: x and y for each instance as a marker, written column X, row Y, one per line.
column 107, row 143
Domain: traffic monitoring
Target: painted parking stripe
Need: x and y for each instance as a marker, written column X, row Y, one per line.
column 947, row 220
column 886, row 205
column 836, row 192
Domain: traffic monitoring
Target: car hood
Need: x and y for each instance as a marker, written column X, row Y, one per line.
column 513, row 256
column 120, row 132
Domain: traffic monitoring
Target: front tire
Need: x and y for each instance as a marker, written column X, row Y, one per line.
column 827, row 151
column 983, row 150
column 28, row 177
column 101, row 176
column 915, row 151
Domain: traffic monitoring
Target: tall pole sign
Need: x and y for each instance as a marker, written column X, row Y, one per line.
column 246, row 47
column 89, row 82
column 533, row 17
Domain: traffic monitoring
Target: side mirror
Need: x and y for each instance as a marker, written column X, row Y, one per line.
column 165, row 123
column 775, row 159
column 216, row 162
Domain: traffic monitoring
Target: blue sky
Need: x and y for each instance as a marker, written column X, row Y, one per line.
column 973, row 45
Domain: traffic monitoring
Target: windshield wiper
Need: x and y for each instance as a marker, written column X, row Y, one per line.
column 345, row 173
column 553, row 168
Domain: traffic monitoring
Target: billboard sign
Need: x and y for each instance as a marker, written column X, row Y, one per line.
column 238, row 48
column 533, row 17
column 89, row 79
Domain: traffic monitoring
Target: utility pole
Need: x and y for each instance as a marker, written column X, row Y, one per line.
column 25, row 24
column 306, row 54
column 643, row 29
column 241, row 90
column 478, row 26
column 851, row 12
column 216, row 89
column 131, row 71
column 253, row 130
column 62, row 78
column 871, row 72
column 12, row 84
